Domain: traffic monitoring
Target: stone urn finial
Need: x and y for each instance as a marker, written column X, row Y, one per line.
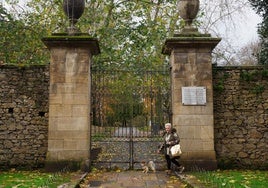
column 188, row 10
column 73, row 9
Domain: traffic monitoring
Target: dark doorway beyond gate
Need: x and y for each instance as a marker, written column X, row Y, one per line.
column 129, row 109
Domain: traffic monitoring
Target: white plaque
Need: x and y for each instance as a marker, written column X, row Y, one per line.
column 194, row 96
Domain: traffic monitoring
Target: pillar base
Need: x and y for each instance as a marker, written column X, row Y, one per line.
column 67, row 166
column 199, row 165
column 69, row 101
column 199, row 160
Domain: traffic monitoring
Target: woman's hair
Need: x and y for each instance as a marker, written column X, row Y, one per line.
column 168, row 125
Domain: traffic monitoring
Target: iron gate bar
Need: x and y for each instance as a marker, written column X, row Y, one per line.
column 129, row 111
column 131, row 148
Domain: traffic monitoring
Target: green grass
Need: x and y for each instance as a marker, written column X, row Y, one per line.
column 26, row 179
column 234, row 178
column 225, row 178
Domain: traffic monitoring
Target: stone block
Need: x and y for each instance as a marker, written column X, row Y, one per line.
column 84, row 79
column 190, row 144
column 203, row 76
column 66, row 88
column 191, row 132
column 188, row 120
column 55, row 98
column 77, row 134
column 69, row 144
column 68, row 99
column 73, row 155
column 52, row 155
column 81, row 99
column 198, row 155
column 208, row 144
column 83, row 144
column 82, row 88
column 80, row 110
column 57, row 54
column 71, row 62
column 57, row 78
column 53, row 123
column 192, row 58
column 55, row 145
column 192, row 110
column 185, row 132
column 178, row 51
column 206, row 132
column 177, row 96
column 203, row 59
column 59, row 110
column 178, row 83
column 73, row 123
column 180, row 58
column 75, row 98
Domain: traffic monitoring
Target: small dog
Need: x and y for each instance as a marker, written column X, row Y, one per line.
column 148, row 166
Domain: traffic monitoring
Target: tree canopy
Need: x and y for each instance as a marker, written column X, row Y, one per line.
column 131, row 33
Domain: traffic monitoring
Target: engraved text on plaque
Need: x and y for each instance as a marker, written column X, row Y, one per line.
column 194, row 96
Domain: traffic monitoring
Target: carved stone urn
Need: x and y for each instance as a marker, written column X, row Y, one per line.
column 73, row 9
column 188, row 10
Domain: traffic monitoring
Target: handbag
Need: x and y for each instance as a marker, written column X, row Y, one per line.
column 175, row 150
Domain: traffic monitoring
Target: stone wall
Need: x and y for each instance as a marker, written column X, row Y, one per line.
column 23, row 116
column 241, row 116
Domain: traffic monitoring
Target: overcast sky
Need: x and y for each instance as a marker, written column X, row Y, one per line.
column 246, row 29
column 239, row 29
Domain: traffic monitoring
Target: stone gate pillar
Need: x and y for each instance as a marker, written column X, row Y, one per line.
column 69, row 101
column 69, row 93
column 192, row 91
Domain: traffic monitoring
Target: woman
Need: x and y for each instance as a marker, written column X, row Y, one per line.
column 171, row 138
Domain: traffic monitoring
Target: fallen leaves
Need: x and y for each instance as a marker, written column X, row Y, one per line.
column 234, row 178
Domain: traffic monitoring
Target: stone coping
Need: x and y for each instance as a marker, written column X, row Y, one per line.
column 188, row 41
column 235, row 67
column 82, row 41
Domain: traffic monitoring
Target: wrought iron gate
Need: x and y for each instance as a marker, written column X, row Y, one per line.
column 128, row 111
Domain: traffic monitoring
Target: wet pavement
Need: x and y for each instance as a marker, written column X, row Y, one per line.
column 114, row 154
column 132, row 179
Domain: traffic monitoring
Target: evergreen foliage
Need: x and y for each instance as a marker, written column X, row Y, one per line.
column 261, row 8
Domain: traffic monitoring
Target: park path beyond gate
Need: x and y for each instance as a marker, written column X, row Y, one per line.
column 129, row 109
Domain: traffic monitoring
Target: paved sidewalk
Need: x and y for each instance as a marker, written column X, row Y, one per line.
column 131, row 179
